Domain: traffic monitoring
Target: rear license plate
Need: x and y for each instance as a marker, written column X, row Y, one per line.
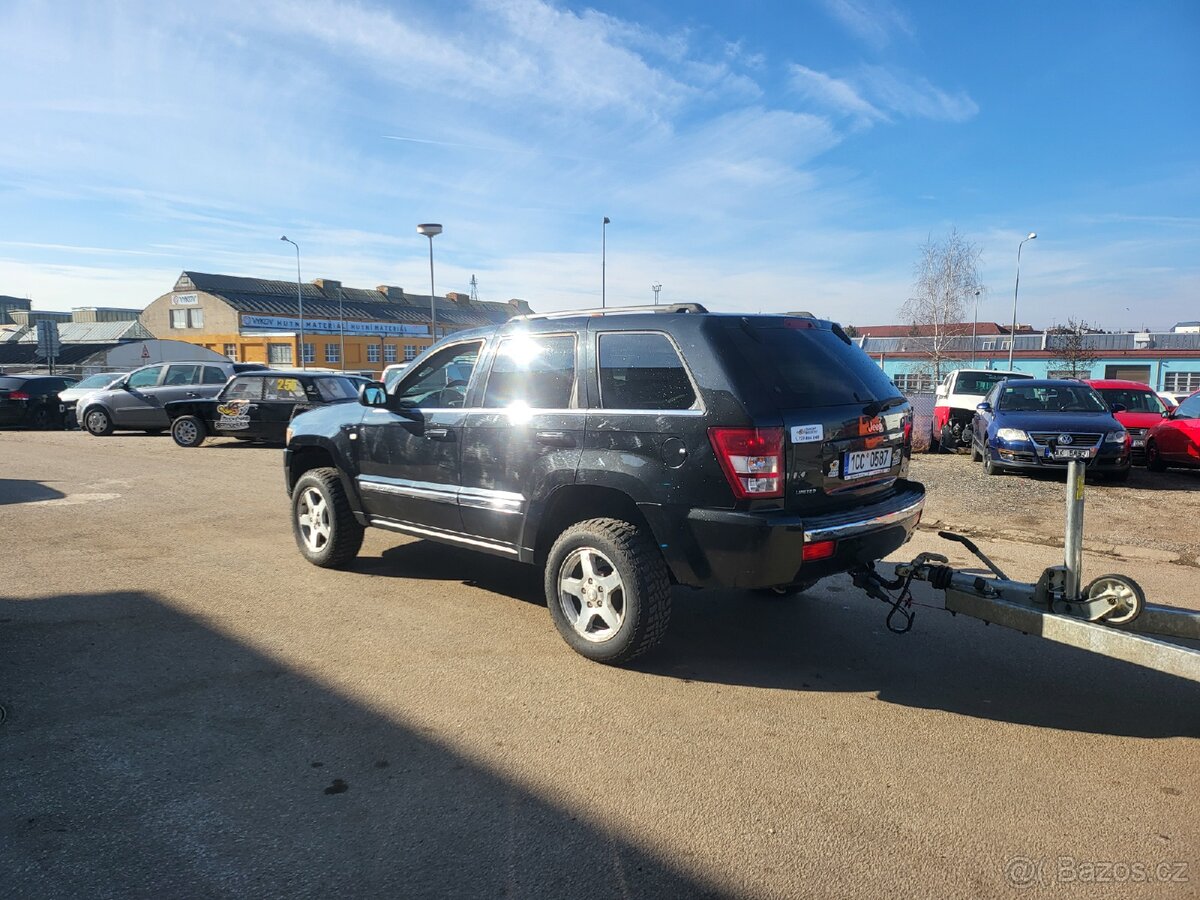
column 861, row 463
column 1061, row 453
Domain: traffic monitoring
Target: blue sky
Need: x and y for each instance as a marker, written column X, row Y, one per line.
column 752, row 156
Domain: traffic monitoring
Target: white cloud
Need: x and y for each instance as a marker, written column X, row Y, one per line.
column 833, row 93
column 914, row 96
column 872, row 21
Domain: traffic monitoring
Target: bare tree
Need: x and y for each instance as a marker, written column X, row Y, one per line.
column 1069, row 349
column 947, row 276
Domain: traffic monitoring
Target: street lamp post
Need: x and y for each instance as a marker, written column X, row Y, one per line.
column 603, row 259
column 656, row 288
column 431, row 230
column 974, row 326
column 299, row 298
column 1012, row 341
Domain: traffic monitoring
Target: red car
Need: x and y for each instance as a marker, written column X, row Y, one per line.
column 1136, row 406
column 1175, row 441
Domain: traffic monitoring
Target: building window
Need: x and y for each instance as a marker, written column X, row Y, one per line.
column 231, row 352
column 410, row 352
column 913, row 382
column 373, row 353
column 279, row 354
column 1181, row 382
column 332, row 353
column 1067, row 373
column 310, row 353
column 389, row 353
column 187, row 318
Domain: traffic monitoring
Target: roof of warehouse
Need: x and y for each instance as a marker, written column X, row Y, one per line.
column 268, row 297
column 17, row 354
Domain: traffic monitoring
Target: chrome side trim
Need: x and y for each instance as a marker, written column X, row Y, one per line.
column 420, row 490
column 849, row 529
column 496, row 501
column 450, row 536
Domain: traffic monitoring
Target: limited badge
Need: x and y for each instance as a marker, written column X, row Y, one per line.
column 807, row 434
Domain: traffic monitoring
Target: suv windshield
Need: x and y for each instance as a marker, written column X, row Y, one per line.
column 1133, row 400
column 806, row 364
column 1050, row 398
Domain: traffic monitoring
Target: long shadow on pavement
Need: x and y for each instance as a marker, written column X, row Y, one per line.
column 147, row 755
column 833, row 639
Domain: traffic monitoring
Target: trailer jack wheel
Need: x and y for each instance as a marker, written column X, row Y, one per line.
column 1126, row 596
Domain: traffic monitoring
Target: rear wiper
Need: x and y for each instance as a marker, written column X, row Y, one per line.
column 881, row 406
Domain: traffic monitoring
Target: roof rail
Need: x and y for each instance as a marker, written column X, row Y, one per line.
column 616, row 310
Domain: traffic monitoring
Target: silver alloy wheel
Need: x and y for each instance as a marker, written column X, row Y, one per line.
column 1125, row 598
column 312, row 513
column 186, row 431
column 96, row 420
column 591, row 594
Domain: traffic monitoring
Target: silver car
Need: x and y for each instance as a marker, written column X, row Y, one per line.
column 135, row 403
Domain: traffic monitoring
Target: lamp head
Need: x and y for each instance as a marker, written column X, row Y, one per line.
column 430, row 229
column 1032, row 235
column 607, row 220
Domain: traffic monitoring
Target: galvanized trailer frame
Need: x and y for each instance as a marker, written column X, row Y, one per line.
column 1109, row 617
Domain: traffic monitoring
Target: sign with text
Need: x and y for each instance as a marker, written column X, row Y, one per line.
column 185, row 300
column 331, row 326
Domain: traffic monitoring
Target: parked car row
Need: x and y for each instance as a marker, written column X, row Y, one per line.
column 1028, row 424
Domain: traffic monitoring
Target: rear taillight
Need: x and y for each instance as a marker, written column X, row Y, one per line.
column 752, row 459
column 18, row 395
column 908, row 428
column 818, row 550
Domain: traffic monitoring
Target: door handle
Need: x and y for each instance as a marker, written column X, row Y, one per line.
column 555, row 438
column 439, row 434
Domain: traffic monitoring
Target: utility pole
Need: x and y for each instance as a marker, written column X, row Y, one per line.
column 656, row 288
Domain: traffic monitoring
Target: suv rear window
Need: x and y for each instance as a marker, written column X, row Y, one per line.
column 11, row 384
column 642, row 371
column 806, row 364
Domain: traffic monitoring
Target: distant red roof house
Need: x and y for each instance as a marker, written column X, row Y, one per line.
column 982, row 328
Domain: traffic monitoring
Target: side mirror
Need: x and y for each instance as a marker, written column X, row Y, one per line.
column 984, row 407
column 941, row 390
column 1168, row 413
column 1118, row 407
column 373, row 394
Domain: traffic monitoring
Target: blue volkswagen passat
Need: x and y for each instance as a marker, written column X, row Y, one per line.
column 1043, row 424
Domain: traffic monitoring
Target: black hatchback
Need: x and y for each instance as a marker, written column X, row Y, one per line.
column 32, row 400
column 256, row 406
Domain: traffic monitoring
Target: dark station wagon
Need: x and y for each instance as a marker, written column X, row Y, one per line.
column 256, row 406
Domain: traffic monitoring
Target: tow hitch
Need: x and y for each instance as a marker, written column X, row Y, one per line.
column 1109, row 616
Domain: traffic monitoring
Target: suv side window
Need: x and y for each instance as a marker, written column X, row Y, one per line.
column 537, row 371
column 145, row 378
column 213, row 375
column 441, row 382
column 642, row 371
column 177, row 375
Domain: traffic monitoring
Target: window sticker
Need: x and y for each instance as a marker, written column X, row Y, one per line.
column 807, row 434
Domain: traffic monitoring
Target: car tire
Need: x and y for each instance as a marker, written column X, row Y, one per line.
column 323, row 524
column 98, row 422
column 1154, row 460
column 188, row 431
column 589, row 565
column 989, row 467
column 947, row 441
column 976, row 456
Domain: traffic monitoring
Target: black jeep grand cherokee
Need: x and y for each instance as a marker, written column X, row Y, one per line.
column 623, row 450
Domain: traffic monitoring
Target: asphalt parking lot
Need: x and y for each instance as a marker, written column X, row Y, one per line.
column 192, row 710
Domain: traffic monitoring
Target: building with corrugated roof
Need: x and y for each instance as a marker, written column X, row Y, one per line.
column 258, row 320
